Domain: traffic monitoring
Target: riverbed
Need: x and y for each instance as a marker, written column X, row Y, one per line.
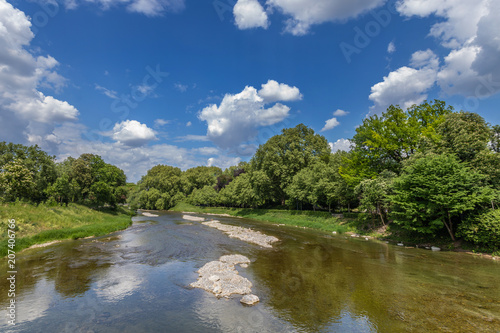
column 138, row 280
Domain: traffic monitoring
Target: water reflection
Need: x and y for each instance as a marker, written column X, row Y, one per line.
column 137, row 281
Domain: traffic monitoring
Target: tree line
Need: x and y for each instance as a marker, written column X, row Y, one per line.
column 428, row 169
column 31, row 175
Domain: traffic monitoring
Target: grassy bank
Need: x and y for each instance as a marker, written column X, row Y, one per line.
column 41, row 224
column 315, row 220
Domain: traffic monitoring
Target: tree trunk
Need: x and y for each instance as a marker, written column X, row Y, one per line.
column 449, row 226
column 380, row 213
column 348, row 207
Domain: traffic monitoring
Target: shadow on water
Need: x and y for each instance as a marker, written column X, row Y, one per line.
column 137, row 280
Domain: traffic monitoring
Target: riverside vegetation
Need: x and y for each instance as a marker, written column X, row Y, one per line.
column 53, row 201
column 425, row 174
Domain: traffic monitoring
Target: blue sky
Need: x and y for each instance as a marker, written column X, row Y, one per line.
column 187, row 83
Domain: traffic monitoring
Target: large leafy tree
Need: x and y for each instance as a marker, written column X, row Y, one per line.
column 161, row 188
column 39, row 163
column 373, row 195
column 383, row 142
column 284, row 155
column 433, row 191
column 199, row 177
column 464, row 134
column 16, row 181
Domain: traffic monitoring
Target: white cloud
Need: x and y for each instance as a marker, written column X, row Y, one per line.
column 461, row 18
column 273, row 91
column 250, row 14
column 340, row 144
column 132, row 133
column 304, row 13
column 146, row 7
column 471, row 30
column 26, row 113
column 191, row 137
column 44, row 109
column 406, row 85
column 238, row 117
column 329, row 124
column 340, row 113
column 188, row 124
column 391, row 48
column 161, row 122
column 110, row 93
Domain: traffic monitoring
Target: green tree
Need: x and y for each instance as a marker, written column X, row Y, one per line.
column 495, row 138
column 39, row 163
column 61, row 190
column 433, row 191
column 16, row 181
column 284, row 155
column 101, row 193
column 464, row 134
column 373, row 195
column 383, row 142
column 161, row 188
column 206, row 196
column 198, row 177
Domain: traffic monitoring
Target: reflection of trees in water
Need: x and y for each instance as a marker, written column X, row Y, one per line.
column 71, row 268
column 313, row 285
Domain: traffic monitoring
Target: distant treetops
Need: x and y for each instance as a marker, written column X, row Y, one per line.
column 428, row 169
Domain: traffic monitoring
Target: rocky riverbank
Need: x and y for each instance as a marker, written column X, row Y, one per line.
column 244, row 234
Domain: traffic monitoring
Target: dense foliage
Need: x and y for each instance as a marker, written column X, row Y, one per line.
column 428, row 169
column 29, row 174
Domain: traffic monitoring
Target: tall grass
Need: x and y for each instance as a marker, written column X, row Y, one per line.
column 43, row 223
column 315, row 220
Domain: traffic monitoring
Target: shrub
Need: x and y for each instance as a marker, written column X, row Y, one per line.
column 482, row 229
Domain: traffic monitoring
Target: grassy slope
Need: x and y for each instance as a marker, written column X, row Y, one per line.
column 315, row 220
column 40, row 224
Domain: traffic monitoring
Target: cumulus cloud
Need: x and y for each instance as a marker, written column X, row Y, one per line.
column 407, row 85
column 26, row 114
column 333, row 122
column 471, row 30
column 238, row 117
column 250, row 14
column 305, row 13
column 273, row 91
column 44, row 109
column 340, row 144
column 132, row 133
column 340, row 113
column 330, row 123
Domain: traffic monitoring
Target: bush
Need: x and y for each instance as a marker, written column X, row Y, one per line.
column 482, row 229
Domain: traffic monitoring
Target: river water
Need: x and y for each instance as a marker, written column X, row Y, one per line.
column 137, row 280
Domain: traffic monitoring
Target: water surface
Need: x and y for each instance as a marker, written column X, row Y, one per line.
column 137, row 280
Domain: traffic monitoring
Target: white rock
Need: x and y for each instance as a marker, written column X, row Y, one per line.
column 401, row 244
column 249, row 299
column 193, row 218
column 435, row 248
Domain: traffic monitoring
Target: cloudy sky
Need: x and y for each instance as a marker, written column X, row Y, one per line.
column 187, row 83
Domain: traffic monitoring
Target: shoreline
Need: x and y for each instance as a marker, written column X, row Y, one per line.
column 267, row 217
column 54, row 224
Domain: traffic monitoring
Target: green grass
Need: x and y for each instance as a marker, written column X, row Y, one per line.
column 309, row 219
column 41, row 224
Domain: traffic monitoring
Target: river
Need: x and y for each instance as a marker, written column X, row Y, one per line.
column 137, row 280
